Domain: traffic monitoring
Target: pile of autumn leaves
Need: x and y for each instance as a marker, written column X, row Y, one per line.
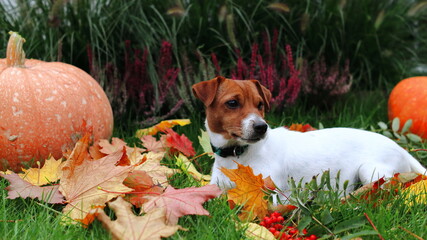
column 93, row 176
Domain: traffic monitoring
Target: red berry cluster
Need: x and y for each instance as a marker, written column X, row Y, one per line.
column 274, row 223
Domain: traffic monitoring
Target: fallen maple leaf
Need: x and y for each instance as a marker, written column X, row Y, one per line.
column 186, row 166
column 249, row 192
column 256, row 232
column 131, row 227
column 180, row 202
column 86, row 182
column 49, row 173
column 143, row 186
column 205, row 142
column 178, row 142
column 152, row 145
column 416, row 193
column 21, row 188
column 301, row 127
column 154, row 169
column 162, row 126
column 412, row 184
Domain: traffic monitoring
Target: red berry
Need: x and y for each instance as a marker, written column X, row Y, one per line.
column 285, row 236
column 273, row 219
column 304, row 231
column 313, row 237
column 280, row 219
column 277, row 234
column 262, row 223
column 278, row 226
column 293, row 231
column 272, row 230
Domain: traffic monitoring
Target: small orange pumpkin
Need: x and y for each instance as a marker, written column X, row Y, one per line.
column 43, row 104
column 408, row 100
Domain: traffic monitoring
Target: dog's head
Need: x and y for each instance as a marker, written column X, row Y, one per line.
column 235, row 108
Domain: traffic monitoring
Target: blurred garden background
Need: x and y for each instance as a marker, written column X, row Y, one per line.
column 146, row 54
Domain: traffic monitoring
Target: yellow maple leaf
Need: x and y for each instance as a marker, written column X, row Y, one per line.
column 255, row 231
column 184, row 163
column 249, row 192
column 49, row 173
column 416, row 192
column 163, row 125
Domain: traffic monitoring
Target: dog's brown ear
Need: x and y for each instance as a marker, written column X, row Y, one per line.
column 265, row 94
column 206, row 91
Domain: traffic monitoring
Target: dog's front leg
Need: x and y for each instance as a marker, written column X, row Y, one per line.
column 218, row 176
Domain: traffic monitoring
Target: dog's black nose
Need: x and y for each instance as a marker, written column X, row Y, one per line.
column 260, row 127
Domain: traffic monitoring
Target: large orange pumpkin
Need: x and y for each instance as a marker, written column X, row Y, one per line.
column 43, row 104
column 408, row 100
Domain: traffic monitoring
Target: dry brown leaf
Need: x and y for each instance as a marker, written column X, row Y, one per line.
column 86, row 183
column 249, row 192
column 131, row 227
column 152, row 167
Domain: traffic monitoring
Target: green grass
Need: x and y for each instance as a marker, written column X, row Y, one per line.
column 28, row 219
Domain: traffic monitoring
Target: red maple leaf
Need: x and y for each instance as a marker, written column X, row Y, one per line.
column 178, row 142
column 180, row 202
column 143, row 186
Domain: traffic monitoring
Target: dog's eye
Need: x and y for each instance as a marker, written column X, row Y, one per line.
column 232, row 104
column 260, row 105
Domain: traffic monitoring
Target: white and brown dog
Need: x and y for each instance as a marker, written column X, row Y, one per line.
column 238, row 132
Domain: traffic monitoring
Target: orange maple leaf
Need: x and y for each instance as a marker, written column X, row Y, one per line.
column 162, row 126
column 301, row 127
column 86, row 182
column 143, row 186
column 249, row 192
column 131, row 227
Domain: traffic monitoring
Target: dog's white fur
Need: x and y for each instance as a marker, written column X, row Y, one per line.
column 359, row 156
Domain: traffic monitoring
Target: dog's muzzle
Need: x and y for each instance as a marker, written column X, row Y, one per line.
column 254, row 128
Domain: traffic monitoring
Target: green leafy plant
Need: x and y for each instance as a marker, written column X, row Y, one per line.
column 401, row 136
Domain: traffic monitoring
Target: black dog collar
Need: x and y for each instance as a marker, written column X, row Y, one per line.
column 235, row 151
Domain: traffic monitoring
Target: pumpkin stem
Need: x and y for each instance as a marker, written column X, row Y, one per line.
column 15, row 55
